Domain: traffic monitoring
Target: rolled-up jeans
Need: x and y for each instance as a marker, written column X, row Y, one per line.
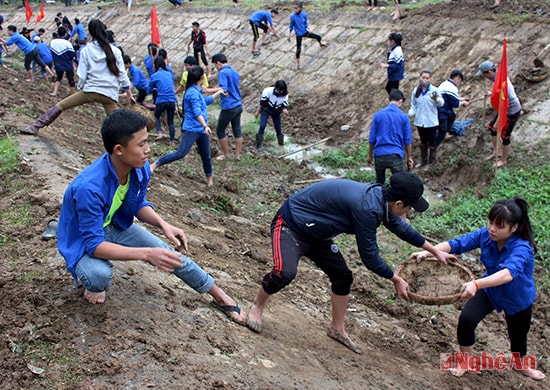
column 393, row 162
column 96, row 274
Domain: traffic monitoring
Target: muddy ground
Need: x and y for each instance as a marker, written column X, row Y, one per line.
column 154, row 332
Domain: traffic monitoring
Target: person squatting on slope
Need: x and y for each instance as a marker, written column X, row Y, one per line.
column 96, row 224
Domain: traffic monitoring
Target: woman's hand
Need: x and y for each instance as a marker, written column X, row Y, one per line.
column 469, row 289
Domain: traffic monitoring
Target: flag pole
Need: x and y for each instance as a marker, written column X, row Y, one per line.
column 497, row 142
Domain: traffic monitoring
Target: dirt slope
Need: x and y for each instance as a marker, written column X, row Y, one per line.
column 155, row 332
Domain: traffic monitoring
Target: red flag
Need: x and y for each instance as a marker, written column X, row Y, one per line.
column 499, row 95
column 40, row 15
column 28, row 11
column 155, row 33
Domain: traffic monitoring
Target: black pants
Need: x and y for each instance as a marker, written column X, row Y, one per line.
column 299, row 41
column 427, row 135
column 478, row 307
column 392, row 85
column 197, row 52
column 289, row 247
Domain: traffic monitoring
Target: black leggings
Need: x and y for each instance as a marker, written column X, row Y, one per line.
column 478, row 307
column 299, row 41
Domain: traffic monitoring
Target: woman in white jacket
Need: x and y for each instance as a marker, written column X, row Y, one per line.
column 101, row 72
column 425, row 99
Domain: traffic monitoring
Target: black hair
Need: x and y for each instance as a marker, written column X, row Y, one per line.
column 61, row 31
column 280, row 85
column 159, row 63
column 163, row 53
column 190, row 60
column 110, row 36
column 513, row 211
column 152, row 49
column 219, row 57
column 76, row 20
column 119, row 128
column 396, row 37
column 59, row 14
column 99, row 33
column 11, row 27
column 419, row 88
column 126, row 58
column 455, row 73
column 391, row 196
column 275, row 11
column 299, row 4
column 194, row 76
column 41, row 30
column 82, row 41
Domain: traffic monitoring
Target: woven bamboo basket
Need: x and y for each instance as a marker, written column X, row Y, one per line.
column 433, row 283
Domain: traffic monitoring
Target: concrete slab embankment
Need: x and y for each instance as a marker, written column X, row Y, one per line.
column 357, row 45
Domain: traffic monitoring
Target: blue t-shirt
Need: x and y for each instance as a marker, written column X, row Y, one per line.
column 261, row 17
column 229, row 80
column 45, row 52
column 517, row 256
column 299, row 23
column 138, row 78
column 163, row 81
column 390, row 131
column 21, row 42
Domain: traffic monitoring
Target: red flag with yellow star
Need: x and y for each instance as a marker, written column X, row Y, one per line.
column 155, row 33
column 28, row 11
column 40, row 15
column 499, row 94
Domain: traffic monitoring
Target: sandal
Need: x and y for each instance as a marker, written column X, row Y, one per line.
column 51, row 230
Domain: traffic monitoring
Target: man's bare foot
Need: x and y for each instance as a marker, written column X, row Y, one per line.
column 254, row 321
column 533, row 374
column 221, row 157
column 490, row 157
column 500, row 163
column 53, row 94
column 93, row 297
column 209, row 181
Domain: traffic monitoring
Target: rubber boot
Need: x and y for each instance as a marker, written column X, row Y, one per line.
column 423, row 156
column 431, row 155
column 431, row 158
column 281, row 139
column 259, row 141
column 47, row 118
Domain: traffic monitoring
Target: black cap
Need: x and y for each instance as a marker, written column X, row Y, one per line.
column 396, row 95
column 195, row 23
column 408, row 188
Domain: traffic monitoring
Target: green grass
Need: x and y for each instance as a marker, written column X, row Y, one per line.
column 528, row 177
